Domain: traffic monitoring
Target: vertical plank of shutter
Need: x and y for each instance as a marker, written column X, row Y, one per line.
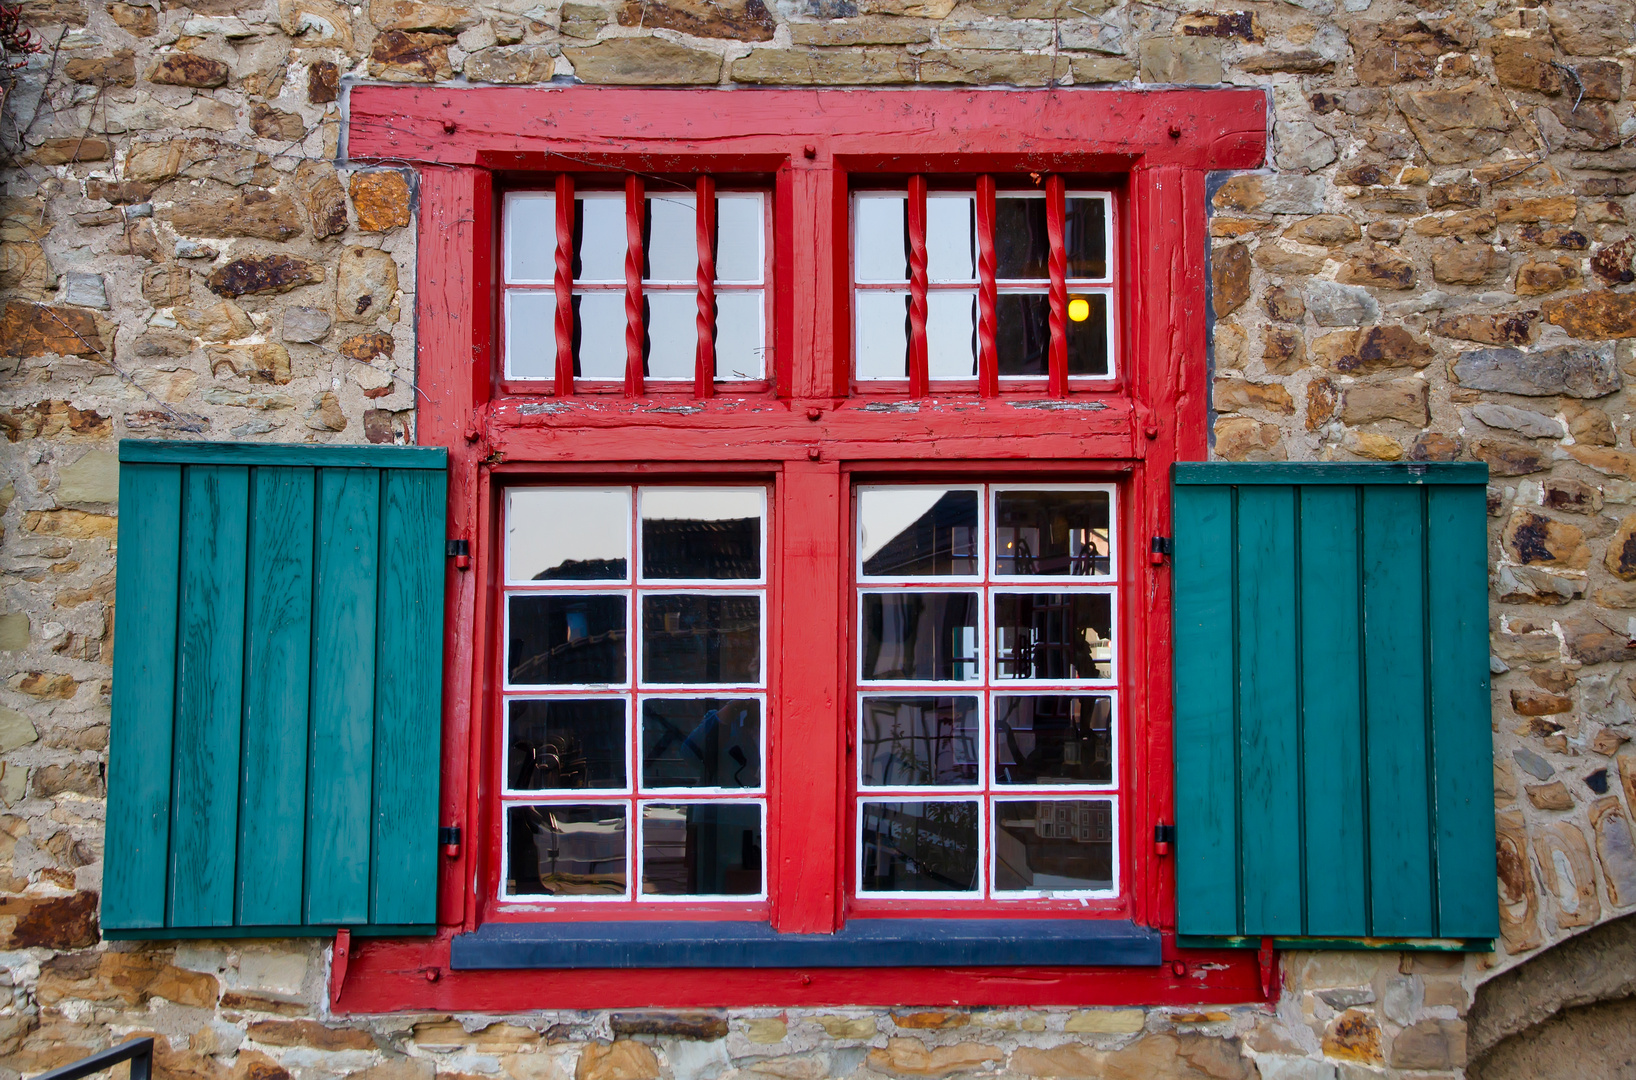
column 209, row 678
column 635, row 321
column 915, row 211
column 144, row 698
column 563, row 285
column 278, row 659
column 1394, row 605
column 1456, row 543
column 342, row 713
column 988, row 319
column 1205, row 724
column 704, row 361
column 408, row 698
column 1331, row 713
column 1270, row 810
column 1056, row 219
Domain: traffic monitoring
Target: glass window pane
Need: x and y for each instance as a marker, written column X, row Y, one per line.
column 1085, row 235
column 566, row 639
column 531, row 236
column 671, row 334
column 739, row 230
column 740, row 336
column 1053, row 739
column 918, row 531
column 701, row 849
column 951, row 238
column 701, row 533
column 1022, row 247
column 1023, row 334
column 670, row 239
column 565, row 850
column 1059, row 533
column 698, row 638
column 918, row 741
column 701, row 742
column 565, row 743
column 567, row 534
column 599, row 335
column 882, row 238
column 919, row 846
column 1053, row 636
column 915, row 636
column 951, row 334
column 1046, row 845
column 531, row 333
column 1088, row 335
column 883, row 334
column 599, row 237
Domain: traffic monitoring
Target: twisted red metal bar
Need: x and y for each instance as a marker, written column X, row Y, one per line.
column 1056, row 212
column 919, row 375
column 704, row 363
column 988, row 318
column 635, row 208
column 564, row 286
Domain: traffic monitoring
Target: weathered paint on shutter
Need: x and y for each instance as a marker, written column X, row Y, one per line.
column 277, row 697
column 1332, row 733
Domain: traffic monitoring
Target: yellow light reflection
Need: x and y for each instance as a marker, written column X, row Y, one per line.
column 1079, row 309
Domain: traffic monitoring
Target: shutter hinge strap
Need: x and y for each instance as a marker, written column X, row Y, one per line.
column 339, row 958
column 1161, row 547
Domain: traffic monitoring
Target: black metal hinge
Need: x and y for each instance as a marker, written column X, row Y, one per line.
column 1161, row 547
column 460, row 552
column 1164, row 838
column 448, row 834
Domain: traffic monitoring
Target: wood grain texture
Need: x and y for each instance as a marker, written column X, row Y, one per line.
column 160, row 451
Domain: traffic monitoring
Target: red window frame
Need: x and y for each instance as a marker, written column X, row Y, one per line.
column 811, row 433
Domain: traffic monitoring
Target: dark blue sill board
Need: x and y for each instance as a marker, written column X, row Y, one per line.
column 862, row 943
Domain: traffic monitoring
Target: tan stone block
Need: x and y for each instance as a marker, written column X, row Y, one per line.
column 1430, row 1044
column 1466, row 223
column 1371, row 444
column 1510, row 328
column 325, row 199
column 1287, row 257
column 511, row 64
column 1239, row 438
column 135, row 19
column 819, row 67
column 1457, row 124
column 1231, row 394
column 1538, row 278
column 622, row 1060
column 366, row 285
column 910, row 1057
column 981, row 67
column 16, row 731
column 33, row 329
column 765, row 1030
column 414, row 15
column 810, row 1066
column 271, row 275
column 263, row 362
column 71, row 524
column 1561, row 208
column 847, row 1027
column 1565, row 867
column 380, row 199
column 1400, row 399
column 1180, row 60
column 256, row 212
column 270, row 123
column 931, row 1020
column 188, row 69
column 1621, row 463
column 1229, row 278
column 309, row 1033
column 1615, row 849
column 1069, row 1061
column 1283, row 350
column 91, row 478
column 1353, row 1036
column 1105, row 1022
column 1321, row 399
column 863, row 31
column 1551, row 796
column 1326, row 229
column 399, row 56
column 1377, row 348
column 14, row 631
column 1533, row 539
column 648, row 61
column 1457, row 263
column 74, row 148
column 735, row 20
column 316, row 24
column 1593, row 315
column 1380, row 267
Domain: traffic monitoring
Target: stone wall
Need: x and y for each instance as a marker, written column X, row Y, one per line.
column 1437, row 265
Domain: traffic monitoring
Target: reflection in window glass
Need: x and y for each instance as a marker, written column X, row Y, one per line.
column 1059, row 533
column 1022, row 337
column 565, row 744
column 1053, row 739
column 701, row 743
column 883, row 334
column 599, row 335
column 918, row 741
column 881, row 248
column 670, row 245
column 701, row 533
column 1085, row 236
column 567, row 534
column 919, row 846
column 918, row 532
column 1022, row 246
column 1053, row 635
column 566, row 849
column 1088, row 336
column 739, row 229
column 929, row 636
column 700, row 638
column 566, row 639
column 599, row 237
column 701, row 849
column 1046, row 845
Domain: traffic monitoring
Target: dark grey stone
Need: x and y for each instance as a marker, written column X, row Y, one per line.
column 1533, row 764
column 1583, row 371
column 1333, row 304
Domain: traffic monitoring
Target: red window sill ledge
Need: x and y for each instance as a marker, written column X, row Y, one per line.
column 862, row 943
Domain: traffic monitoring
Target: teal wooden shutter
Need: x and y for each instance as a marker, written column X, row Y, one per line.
column 1332, row 728
column 277, row 699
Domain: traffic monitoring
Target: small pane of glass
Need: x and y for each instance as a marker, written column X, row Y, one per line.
column 918, row 531
column 564, row 849
column 920, row 636
column 531, row 236
column 881, row 248
column 599, row 237
column 701, row 849
column 531, row 333
column 599, row 335
column 739, row 231
column 918, row 741
column 567, row 534
column 1022, row 336
column 692, row 534
column 1049, row 845
column 951, row 237
column 1022, row 247
column 883, row 334
column 699, row 638
column 670, row 239
column 740, row 337
column 565, row 744
column 575, row 639
column 1053, row 739
column 1059, row 533
column 671, row 334
column 1085, row 235
column 701, row 743
column 1088, row 335
column 1053, row 635
column 919, row 846
column 951, row 334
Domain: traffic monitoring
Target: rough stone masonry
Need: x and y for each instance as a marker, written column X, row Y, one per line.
column 1438, row 265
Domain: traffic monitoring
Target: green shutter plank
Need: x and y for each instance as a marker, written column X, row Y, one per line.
column 209, row 696
column 272, row 813
column 139, row 751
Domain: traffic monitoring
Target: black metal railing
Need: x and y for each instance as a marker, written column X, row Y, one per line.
column 139, row 1052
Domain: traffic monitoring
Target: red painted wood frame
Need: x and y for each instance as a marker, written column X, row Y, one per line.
column 810, row 439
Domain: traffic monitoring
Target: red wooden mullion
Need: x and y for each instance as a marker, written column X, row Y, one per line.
column 635, row 209
column 564, row 285
column 1056, row 212
column 988, row 318
column 704, row 363
column 919, row 366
